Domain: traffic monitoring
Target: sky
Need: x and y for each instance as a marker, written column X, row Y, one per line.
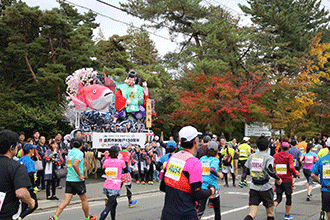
column 110, row 27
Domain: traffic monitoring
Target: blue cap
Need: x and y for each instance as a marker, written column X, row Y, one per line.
column 171, row 144
column 28, row 146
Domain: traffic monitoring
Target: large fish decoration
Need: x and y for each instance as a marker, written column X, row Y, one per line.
column 93, row 97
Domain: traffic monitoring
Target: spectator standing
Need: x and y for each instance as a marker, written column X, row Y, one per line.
column 14, row 178
column 36, row 136
column 272, row 146
column 201, row 151
column 21, row 142
column 64, row 151
column 41, row 149
column 138, row 162
column 236, row 156
column 53, row 161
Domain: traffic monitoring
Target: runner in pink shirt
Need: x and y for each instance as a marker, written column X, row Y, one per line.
column 113, row 170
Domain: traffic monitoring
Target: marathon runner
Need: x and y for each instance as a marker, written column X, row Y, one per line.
column 297, row 155
column 309, row 159
column 284, row 168
column 322, row 168
column 210, row 166
column 260, row 166
column 244, row 151
column 182, row 182
column 126, row 178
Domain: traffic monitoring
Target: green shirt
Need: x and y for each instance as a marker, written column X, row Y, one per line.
column 74, row 154
column 243, row 151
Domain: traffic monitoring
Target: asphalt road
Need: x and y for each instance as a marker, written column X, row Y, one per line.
column 234, row 205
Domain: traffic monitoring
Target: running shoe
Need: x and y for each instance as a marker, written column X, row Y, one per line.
column 234, row 185
column 59, row 187
column 138, row 182
column 308, row 198
column 322, row 215
column 288, row 217
column 210, row 205
column 245, row 183
column 143, row 183
column 241, row 184
column 92, row 217
column 53, row 217
column 132, row 203
column 226, row 185
column 151, row 183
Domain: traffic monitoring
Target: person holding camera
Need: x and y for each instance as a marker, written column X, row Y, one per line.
column 53, row 159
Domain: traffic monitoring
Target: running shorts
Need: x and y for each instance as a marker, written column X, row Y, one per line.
column 75, row 188
column 284, row 187
column 325, row 201
column 266, row 197
column 307, row 174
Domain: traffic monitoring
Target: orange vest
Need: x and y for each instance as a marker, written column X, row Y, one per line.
column 174, row 176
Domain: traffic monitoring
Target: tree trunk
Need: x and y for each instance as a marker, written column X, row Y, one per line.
column 30, row 69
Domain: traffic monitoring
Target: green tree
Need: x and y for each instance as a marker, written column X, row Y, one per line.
column 38, row 51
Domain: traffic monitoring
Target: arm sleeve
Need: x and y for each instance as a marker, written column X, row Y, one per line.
column 271, row 172
column 198, row 193
column 31, row 176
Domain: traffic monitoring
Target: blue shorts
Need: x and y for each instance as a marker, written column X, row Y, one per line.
column 111, row 192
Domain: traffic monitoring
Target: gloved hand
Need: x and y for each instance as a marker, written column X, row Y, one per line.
column 35, row 190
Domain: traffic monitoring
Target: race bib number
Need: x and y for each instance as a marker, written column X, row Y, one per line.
column 2, row 199
column 281, row 169
column 309, row 159
column 242, row 153
column 111, row 172
column 326, row 171
column 174, row 169
column 69, row 162
column 257, row 164
column 206, row 169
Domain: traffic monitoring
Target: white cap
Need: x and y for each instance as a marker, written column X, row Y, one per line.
column 328, row 142
column 189, row 133
column 214, row 136
column 246, row 139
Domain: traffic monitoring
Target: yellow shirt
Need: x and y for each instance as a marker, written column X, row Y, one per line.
column 231, row 152
column 323, row 152
column 244, row 150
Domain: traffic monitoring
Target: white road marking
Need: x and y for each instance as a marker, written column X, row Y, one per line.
column 97, row 203
column 245, row 207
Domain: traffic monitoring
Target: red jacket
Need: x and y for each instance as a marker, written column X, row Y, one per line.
column 283, row 162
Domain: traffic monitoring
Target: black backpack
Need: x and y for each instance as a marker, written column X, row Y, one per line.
column 227, row 159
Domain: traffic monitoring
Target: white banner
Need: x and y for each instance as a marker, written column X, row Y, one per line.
column 256, row 129
column 106, row 140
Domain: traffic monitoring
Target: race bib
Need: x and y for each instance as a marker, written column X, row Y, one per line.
column 257, row 164
column 326, row 171
column 174, row 169
column 111, row 172
column 206, row 169
column 281, row 169
column 242, row 153
column 69, row 162
column 309, row 159
column 2, row 199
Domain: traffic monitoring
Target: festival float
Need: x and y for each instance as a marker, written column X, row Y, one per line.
column 109, row 112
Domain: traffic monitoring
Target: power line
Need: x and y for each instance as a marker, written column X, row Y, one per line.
column 115, row 20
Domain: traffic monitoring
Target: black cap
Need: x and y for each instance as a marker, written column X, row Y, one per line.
column 22, row 133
